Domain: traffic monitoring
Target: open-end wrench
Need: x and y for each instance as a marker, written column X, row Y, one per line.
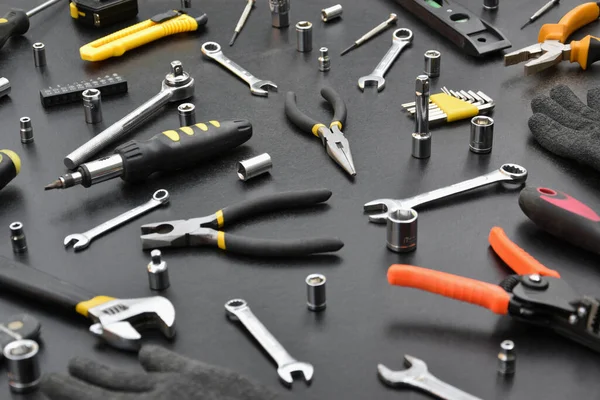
column 213, row 51
column 509, row 173
column 287, row 366
column 400, row 39
column 178, row 85
column 417, row 376
column 81, row 241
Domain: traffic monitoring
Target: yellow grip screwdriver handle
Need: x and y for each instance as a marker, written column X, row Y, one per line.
column 585, row 51
column 159, row 26
column 10, row 166
column 573, row 20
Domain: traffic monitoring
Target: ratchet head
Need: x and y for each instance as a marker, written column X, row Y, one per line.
column 179, row 82
column 388, row 206
column 408, row 377
column 514, row 173
column 78, row 241
column 117, row 321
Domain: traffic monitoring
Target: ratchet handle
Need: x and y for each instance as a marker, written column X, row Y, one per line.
column 515, row 257
column 182, row 148
column 572, row 21
column 277, row 248
column 270, row 203
column 585, row 51
column 562, row 216
column 483, row 294
column 37, row 285
column 339, row 106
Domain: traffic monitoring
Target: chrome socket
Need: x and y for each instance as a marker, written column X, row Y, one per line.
column 39, row 54
column 491, row 4
column 304, row 36
column 17, row 237
column 421, row 137
column 280, row 13
column 402, row 230
column 158, row 272
column 433, row 59
column 482, row 134
column 187, row 114
column 4, row 87
column 324, row 60
column 315, row 291
column 92, row 106
column 26, row 130
column 254, row 167
column 331, row 13
column 22, row 365
column 507, row 358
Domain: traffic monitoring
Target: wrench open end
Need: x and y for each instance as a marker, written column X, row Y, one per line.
column 384, row 206
column 371, row 81
column 79, row 241
column 416, row 368
column 298, row 369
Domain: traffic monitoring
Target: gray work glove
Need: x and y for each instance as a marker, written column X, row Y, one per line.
column 168, row 376
column 563, row 125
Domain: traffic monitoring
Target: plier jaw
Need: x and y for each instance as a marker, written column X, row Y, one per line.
column 178, row 233
column 544, row 55
column 338, row 147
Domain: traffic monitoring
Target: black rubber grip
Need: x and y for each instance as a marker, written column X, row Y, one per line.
column 8, row 169
column 280, row 248
column 37, row 285
column 298, row 118
column 274, row 202
column 14, row 23
column 339, row 106
column 562, row 216
column 593, row 51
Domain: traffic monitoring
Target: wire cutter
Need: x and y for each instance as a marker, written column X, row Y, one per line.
column 203, row 231
column 552, row 49
column 333, row 139
column 536, row 295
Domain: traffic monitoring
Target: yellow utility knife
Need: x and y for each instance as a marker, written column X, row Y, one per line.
column 157, row 27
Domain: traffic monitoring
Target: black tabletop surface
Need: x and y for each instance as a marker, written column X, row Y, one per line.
column 367, row 321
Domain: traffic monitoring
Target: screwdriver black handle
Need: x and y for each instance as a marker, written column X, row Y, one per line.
column 178, row 149
column 14, row 23
column 10, row 166
column 562, row 216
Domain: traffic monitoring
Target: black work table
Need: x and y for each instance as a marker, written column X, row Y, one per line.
column 367, row 321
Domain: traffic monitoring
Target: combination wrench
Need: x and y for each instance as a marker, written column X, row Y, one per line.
column 213, row 51
column 81, row 241
column 417, row 376
column 400, row 39
column 509, row 173
column 238, row 310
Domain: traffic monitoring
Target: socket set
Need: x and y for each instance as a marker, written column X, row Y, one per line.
column 64, row 94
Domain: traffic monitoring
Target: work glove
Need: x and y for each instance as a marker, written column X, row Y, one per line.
column 168, row 376
column 565, row 126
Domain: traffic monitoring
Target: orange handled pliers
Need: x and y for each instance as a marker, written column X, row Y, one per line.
column 536, row 295
column 552, row 49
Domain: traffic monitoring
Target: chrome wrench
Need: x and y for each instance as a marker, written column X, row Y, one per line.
column 238, row 310
column 417, row 376
column 213, row 51
column 509, row 173
column 400, row 39
column 81, row 241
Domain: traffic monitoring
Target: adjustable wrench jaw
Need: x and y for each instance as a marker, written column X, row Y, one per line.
column 117, row 321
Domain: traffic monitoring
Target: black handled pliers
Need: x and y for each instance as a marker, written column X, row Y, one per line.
column 332, row 137
column 204, row 230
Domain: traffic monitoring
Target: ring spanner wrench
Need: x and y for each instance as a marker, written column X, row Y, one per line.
column 238, row 310
column 178, row 85
column 400, row 39
column 81, row 241
column 509, row 173
column 417, row 376
column 213, row 51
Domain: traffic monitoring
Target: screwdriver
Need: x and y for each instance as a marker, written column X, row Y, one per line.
column 16, row 22
column 170, row 150
column 10, row 166
column 541, row 11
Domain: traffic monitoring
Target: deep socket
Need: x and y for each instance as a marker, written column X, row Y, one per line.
column 482, row 134
column 39, row 54
column 421, row 137
column 17, row 237
column 22, row 365
column 254, row 167
column 402, row 230
column 304, row 36
column 316, row 294
column 330, row 13
column 26, row 130
column 92, row 106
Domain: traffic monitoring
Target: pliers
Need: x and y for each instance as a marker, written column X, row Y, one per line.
column 203, row 231
column 552, row 49
column 536, row 295
column 333, row 139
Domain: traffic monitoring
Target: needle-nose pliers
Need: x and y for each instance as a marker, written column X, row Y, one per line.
column 332, row 137
column 552, row 49
column 205, row 230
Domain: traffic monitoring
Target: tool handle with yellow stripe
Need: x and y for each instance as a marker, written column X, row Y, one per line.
column 46, row 289
column 585, row 51
column 277, row 248
column 10, row 166
column 14, row 23
column 578, row 17
column 181, row 148
column 308, row 124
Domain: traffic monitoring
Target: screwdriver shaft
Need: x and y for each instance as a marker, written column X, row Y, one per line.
column 41, row 7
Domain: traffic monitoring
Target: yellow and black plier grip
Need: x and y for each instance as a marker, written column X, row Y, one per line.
column 157, row 27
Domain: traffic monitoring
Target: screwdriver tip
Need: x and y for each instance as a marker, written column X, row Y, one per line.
column 57, row 184
column 232, row 41
column 348, row 49
column 526, row 23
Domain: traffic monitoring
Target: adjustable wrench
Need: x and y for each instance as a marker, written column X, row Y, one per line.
column 400, row 39
column 177, row 85
column 238, row 310
column 81, row 241
column 417, row 376
column 509, row 173
column 213, row 51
